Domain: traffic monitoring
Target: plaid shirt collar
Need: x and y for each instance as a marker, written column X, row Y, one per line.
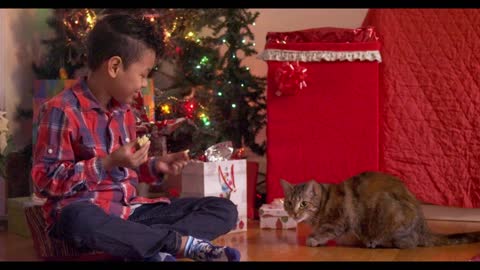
column 89, row 102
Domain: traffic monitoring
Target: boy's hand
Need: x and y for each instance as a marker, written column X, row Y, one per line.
column 172, row 163
column 126, row 156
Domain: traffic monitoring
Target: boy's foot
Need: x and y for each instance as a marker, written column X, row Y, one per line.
column 202, row 250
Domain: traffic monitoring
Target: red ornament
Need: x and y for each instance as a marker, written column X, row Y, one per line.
column 189, row 107
column 290, row 78
column 241, row 224
column 239, row 153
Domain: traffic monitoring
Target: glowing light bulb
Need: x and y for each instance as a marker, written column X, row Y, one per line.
column 204, row 60
column 190, row 35
column 166, row 109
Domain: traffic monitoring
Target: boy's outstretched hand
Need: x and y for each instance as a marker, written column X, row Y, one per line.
column 172, row 163
column 126, row 156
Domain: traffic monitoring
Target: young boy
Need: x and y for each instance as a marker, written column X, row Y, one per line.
column 86, row 165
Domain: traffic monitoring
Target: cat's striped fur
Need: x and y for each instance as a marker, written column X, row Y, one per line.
column 375, row 208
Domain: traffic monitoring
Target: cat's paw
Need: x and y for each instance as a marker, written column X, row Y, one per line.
column 371, row 243
column 313, row 242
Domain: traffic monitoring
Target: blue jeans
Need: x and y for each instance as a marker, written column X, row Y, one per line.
column 152, row 228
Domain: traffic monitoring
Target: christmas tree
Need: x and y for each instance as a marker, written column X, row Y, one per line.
column 217, row 96
column 66, row 51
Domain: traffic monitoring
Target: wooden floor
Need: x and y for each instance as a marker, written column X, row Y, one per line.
column 289, row 245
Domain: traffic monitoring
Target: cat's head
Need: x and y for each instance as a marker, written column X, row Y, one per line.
column 301, row 200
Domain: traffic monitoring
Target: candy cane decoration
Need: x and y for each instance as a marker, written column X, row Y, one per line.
column 222, row 176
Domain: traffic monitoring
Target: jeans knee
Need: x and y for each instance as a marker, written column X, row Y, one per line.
column 78, row 218
column 231, row 213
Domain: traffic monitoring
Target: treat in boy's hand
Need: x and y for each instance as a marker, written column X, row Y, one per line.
column 142, row 141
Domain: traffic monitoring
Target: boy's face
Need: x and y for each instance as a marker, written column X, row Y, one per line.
column 128, row 82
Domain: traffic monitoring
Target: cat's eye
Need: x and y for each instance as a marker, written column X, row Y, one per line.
column 287, row 204
column 303, row 204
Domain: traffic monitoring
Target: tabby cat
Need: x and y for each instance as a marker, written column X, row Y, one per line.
column 375, row 209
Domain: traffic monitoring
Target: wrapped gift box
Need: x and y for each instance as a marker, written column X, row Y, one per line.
column 226, row 179
column 274, row 216
column 17, row 222
column 322, row 87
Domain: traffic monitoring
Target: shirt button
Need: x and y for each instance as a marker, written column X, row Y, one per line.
column 50, row 150
column 127, row 140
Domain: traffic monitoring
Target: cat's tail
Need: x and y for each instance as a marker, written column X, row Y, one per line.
column 454, row 239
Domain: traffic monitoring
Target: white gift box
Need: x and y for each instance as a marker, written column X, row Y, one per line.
column 226, row 179
column 274, row 216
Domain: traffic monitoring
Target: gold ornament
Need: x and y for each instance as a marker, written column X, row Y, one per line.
column 79, row 23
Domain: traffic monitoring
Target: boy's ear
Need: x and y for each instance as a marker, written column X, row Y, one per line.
column 113, row 65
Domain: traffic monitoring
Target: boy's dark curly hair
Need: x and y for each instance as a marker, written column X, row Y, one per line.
column 121, row 35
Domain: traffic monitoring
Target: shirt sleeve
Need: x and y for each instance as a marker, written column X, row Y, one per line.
column 148, row 172
column 55, row 172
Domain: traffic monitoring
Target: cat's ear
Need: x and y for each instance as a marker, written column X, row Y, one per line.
column 287, row 187
column 313, row 188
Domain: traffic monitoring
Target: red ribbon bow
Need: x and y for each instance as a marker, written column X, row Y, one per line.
column 290, row 78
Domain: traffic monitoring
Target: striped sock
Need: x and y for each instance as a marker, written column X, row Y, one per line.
column 202, row 250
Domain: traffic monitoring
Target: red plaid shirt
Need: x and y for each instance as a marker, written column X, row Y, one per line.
column 73, row 134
